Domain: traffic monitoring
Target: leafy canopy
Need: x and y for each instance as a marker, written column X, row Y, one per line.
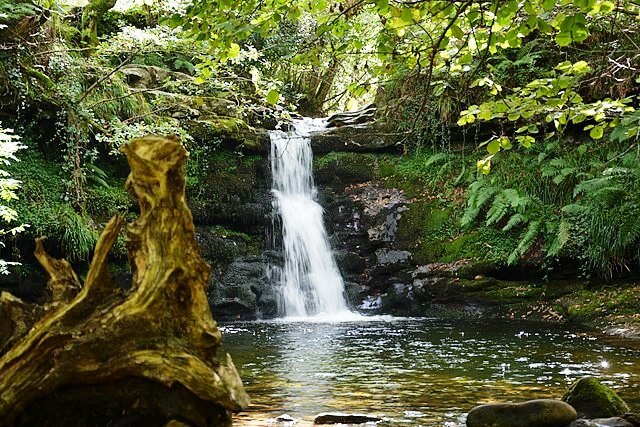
column 439, row 40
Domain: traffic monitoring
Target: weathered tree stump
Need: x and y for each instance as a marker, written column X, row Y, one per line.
column 100, row 355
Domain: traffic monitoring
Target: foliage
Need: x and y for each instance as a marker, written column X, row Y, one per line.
column 12, row 10
column 581, row 204
column 76, row 233
column 9, row 146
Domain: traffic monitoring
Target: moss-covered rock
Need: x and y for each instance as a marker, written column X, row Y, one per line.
column 232, row 130
column 592, row 399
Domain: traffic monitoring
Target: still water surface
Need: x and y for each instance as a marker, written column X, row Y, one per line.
column 416, row 372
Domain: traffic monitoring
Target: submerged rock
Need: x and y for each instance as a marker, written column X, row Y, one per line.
column 591, row 399
column 340, row 418
column 533, row 413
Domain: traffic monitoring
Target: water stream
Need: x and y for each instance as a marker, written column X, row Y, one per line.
column 309, row 282
column 416, row 372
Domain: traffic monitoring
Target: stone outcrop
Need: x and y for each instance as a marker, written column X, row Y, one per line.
column 356, row 138
column 244, row 291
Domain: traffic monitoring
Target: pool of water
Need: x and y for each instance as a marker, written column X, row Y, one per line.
column 416, row 372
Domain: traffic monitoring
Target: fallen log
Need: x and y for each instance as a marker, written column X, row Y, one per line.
column 147, row 356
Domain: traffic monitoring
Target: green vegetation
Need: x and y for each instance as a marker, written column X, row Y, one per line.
column 518, row 119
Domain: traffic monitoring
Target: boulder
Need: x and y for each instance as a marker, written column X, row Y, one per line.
column 340, row 418
column 591, row 399
column 533, row 413
column 148, row 76
column 244, row 292
column 285, row 418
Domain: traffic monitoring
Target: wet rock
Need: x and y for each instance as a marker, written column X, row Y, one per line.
column 353, row 291
column 634, row 419
column 285, row 418
column 146, row 76
column 217, row 249
column 533, row 413
column 451, row 269
column 392, row 258
column 244, row 291
column 591, row 399
column 611, row 422
column 340, row 418
column 250, row 217
column 339, row 170
column 350, row 263
column 601, row 422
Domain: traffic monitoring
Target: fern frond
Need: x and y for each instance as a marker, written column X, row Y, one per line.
column 436, row 158
column 526, row 242
column 561, row 238
column 498, row 209
column 515, row 220
column 481, row 195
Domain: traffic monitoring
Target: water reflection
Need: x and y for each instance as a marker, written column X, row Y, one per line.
column 415, row 371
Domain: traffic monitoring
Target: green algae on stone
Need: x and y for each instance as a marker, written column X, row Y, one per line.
column 592, row 399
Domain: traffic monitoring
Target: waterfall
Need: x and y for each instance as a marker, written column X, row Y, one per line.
column 310, row 283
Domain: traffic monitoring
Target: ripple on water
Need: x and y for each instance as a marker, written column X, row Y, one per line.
column 397, row 368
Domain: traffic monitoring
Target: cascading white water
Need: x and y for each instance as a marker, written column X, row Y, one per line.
column 310, row 282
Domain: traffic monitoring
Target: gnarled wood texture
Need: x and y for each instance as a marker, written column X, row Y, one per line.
column 155, row 344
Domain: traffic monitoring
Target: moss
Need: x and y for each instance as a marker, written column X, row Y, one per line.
column 592, row 399
column 515, row 291
column 104, row 202
column 586, row 305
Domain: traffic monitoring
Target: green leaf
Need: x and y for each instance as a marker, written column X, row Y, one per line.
column 548, row 4
column 273, row 97
column 606, row 7
column 457, row 32
column 406, row 16
column 505, row 143
column 597, row 132
column 234, row 50
column 493, row 147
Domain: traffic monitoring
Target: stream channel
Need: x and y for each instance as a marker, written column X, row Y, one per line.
column 416, row 372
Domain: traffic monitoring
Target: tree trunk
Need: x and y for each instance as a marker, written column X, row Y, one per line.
column 147, row 355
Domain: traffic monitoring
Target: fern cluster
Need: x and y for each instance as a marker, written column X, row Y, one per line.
column 510, row 209
column 575, row 204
